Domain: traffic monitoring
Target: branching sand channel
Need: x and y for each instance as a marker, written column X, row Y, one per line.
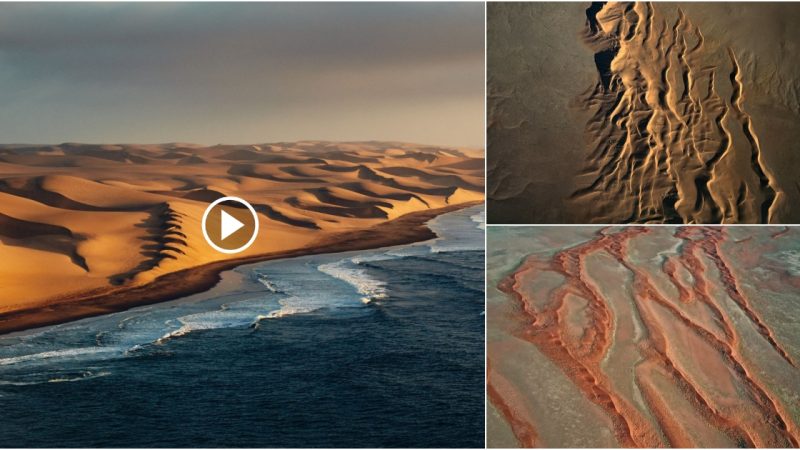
column 678, row 337
column 670, row 139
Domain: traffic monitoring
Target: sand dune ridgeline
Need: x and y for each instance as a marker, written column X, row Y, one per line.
column 643, row 112
column 671, row 138
column 79, row 220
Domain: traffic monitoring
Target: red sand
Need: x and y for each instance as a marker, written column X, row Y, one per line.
column 705, row 364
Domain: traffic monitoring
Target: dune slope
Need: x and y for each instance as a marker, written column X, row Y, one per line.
column 638, row 112
column 83, row 221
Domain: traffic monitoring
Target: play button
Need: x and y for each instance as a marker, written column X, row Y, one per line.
column 230, row 225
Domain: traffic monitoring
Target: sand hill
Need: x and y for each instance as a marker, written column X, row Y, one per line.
column 80, row 221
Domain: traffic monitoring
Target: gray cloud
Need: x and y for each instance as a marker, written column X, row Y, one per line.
column 212, row 72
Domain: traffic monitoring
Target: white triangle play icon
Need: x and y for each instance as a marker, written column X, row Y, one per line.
column 229, row 225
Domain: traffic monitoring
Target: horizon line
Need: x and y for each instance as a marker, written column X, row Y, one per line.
column 367, row 141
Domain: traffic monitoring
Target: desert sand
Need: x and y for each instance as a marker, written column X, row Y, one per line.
column 87, row 229
column 643, row 337
column 643, row 113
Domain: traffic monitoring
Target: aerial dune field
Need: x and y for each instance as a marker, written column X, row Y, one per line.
column 643, row 113
column 87, row 229
column 643, row 337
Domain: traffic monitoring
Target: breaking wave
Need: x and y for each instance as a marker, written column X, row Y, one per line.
column 348, row 270
column 480, row 219
column 58, row 354
column 87, row 375
column 276, row 289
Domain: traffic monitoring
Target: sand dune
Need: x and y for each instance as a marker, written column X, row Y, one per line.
column 680, row 337
column 80, row 221
column 674, row 113
column 673, row 141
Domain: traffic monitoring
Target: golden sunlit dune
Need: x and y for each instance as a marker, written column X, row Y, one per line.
column 672, row 139
column 86, row 228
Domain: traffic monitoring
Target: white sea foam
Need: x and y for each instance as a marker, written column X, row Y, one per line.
column 267, row 283
column 172, row 334
column 235, row 314
column 348, row 271
column 289, row 306
column 57, row 354
column 457, row 234
column 480, row 219
column 453, row 248
column 88, row 375
column 369, row 258
column 292, row 286
column 19, row 383
column 204, row 321
column 84, row 376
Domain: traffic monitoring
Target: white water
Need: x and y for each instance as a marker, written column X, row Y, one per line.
column 331, row 283
column 348, row 270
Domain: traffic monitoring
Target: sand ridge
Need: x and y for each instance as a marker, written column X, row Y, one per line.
column 640, row 112
column 667, row 342
column 79, row 220
column 672, row 140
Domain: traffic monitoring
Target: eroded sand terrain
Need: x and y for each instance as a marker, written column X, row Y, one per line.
column 82, row 221
column 643, row 336
column 643, row 113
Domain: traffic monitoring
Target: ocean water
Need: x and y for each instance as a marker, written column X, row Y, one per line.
column 380, row 348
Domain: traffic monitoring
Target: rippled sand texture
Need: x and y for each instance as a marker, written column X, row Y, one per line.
column 676, row 117
column 672, row 141
column 669, row 336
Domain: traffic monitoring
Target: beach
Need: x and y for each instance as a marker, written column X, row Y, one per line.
column 403, row 230
column 119, row 226
column 242, row 226
column 344, row 341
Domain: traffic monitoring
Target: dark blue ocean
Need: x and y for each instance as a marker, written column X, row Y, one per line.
column 383, row 348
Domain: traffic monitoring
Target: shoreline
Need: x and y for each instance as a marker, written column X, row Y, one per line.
column 406, row 229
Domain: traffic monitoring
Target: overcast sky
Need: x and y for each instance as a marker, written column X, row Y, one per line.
column 241, row 73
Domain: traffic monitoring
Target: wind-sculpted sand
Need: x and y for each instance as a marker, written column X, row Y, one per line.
column 684, row 119
column 672, row 141
column 667, row 336
column 108, row 222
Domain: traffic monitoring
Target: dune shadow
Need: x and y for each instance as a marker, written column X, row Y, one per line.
column 164, row 239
